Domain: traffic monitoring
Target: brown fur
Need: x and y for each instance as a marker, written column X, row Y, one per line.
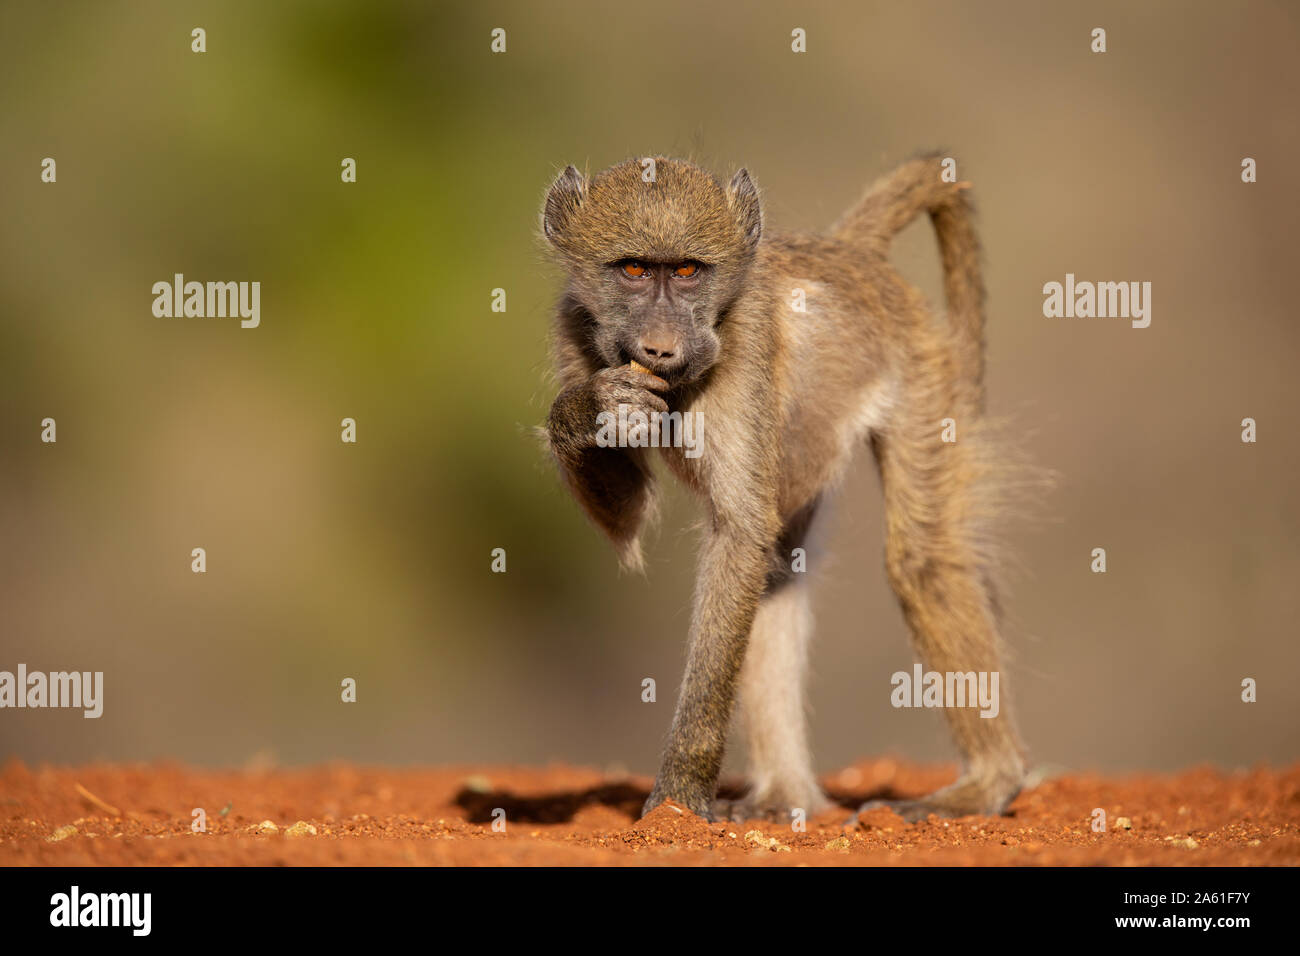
column 784, row 397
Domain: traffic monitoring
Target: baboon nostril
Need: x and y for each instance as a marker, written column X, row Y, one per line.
column 658, row 348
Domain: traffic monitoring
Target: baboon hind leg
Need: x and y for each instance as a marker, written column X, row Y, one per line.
column 939, row 563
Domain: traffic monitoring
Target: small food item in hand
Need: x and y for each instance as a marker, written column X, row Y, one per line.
column 638, row 367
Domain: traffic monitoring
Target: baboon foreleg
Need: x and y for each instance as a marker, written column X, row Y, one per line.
column 733, row 565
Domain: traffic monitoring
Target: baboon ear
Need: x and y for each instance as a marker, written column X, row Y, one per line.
column 742, row 194
column 562, row 202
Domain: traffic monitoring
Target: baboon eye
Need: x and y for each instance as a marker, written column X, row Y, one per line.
column 634, row 269
column 686, row 270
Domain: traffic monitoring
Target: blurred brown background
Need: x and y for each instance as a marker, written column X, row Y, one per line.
column 371, row 561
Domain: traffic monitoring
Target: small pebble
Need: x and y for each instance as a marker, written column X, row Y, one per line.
column 757, row 838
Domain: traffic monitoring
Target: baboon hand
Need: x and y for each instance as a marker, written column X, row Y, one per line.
column 573, row 419
column 625, row 385
column 698, row 800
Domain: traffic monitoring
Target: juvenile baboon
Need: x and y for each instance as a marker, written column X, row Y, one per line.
column 677, row 276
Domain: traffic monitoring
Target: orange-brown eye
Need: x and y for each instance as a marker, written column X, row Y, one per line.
column 633, row 269
column 685, row 270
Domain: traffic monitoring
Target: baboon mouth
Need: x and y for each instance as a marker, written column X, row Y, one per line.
column 672, row 372
column 677, row 375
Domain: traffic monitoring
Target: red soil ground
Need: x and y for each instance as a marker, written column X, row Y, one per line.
column 114, row 815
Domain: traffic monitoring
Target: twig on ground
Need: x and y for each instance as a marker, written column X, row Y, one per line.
column 95, row 801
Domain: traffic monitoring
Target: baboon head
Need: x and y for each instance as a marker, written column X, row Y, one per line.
column 656, row 251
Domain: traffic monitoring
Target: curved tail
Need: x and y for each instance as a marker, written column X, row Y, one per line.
column 894, row 201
